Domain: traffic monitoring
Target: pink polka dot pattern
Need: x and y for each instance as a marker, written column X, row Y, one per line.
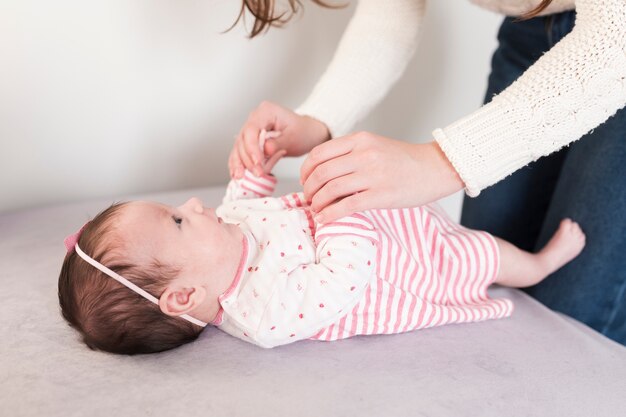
column 328, row 273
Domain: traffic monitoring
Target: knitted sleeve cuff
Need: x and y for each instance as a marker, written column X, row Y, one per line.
column 570, row 90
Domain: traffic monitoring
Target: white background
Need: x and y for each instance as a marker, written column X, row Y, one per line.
column 102, row 98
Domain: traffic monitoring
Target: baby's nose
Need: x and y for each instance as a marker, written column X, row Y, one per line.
column 194, row 204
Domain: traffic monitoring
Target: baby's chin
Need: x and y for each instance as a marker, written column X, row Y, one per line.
column 231, row 228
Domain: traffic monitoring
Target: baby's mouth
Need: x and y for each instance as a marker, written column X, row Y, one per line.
column 219, row 220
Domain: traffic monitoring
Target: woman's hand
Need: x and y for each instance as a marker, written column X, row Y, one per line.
column 298, row 135
column 365, row 171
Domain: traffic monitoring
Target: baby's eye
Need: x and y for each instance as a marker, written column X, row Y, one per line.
column 177, row 220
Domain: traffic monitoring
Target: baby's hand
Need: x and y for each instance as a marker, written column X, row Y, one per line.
column 269, row 163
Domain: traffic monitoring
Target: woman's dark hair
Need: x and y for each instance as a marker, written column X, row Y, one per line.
column 265, row 14
column 534, row 12
column 108, row 315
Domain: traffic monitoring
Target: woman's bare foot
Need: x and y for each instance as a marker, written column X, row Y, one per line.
column 565, row 245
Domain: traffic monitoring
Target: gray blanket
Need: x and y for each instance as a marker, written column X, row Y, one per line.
column 536, row 363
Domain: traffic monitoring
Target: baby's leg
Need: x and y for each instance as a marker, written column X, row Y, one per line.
column 520, row 269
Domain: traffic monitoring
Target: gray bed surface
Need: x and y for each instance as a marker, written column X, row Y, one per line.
column 536, row 363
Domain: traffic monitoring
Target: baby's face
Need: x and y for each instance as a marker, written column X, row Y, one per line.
column 190, row 235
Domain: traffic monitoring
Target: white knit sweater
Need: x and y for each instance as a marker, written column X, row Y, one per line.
column 570, row 90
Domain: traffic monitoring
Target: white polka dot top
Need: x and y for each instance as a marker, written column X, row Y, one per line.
column 374, row 272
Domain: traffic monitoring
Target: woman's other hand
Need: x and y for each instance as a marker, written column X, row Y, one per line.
column 297, row 136
column 365, row 171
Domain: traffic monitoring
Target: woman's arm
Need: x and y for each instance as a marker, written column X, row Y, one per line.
column 372, row 54
column 574, row 87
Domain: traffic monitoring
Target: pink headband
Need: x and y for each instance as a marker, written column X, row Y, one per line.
column 71, row 243
column 72, row 240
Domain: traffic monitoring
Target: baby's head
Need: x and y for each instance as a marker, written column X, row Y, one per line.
column 181, row 256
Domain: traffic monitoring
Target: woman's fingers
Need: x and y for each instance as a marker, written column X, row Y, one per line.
column 327, row 172
column 373, row 163
column 345, row 207
column 234, row 164
column 243, row 155
column 249, row 150
column 336, row 189
column 323, row 153
column 253, row 150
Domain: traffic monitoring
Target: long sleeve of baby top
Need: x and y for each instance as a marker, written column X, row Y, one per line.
column 570, row 90
column 249, row 186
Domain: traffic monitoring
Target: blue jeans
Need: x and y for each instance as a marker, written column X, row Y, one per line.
column 585, row 181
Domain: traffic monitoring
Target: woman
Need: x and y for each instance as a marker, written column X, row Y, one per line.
column 560, row 81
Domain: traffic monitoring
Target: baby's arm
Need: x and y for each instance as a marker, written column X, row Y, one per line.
column 315, row 295
column 251, row 186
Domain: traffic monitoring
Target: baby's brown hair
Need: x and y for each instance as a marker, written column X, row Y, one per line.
column 109, row 316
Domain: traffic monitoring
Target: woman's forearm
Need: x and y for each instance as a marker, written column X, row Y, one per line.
column 570, row 90
column 372, row 54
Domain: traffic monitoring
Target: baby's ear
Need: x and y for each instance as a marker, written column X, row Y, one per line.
column 176, row 301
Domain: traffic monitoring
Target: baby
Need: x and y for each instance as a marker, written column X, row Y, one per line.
column 146, row 277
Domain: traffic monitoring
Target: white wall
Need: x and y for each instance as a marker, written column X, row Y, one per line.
column 104, row 98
